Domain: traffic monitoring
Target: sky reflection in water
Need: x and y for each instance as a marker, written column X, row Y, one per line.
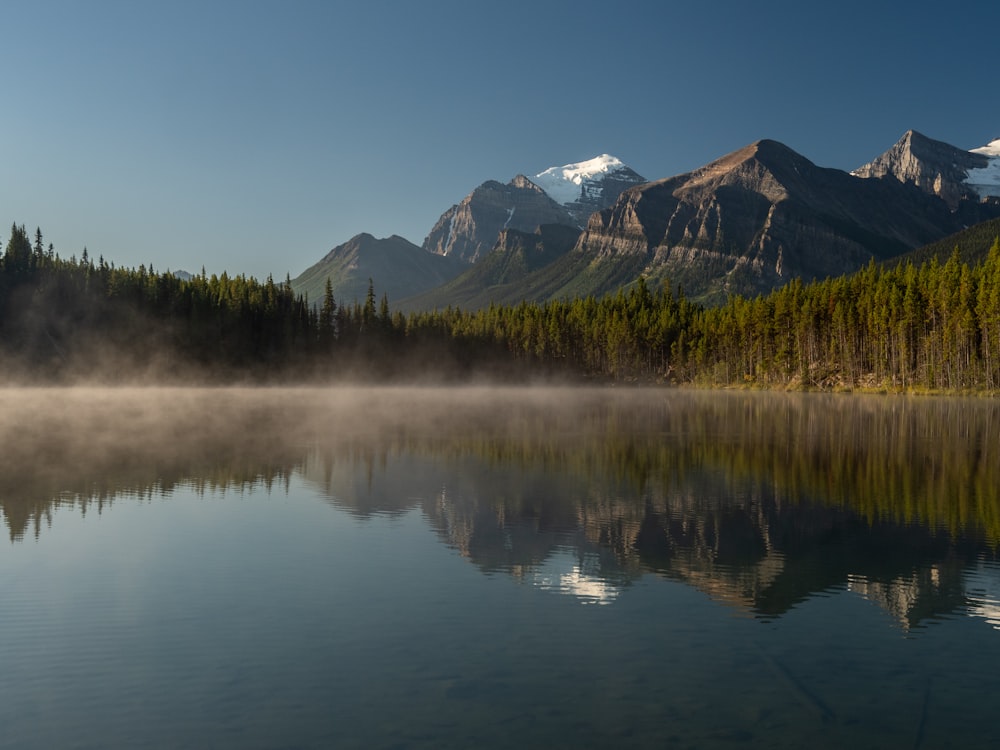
column 752, row 561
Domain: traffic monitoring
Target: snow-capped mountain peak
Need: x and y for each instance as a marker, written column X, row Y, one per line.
column 567, row 184
column 986, row 181
column 990, row 149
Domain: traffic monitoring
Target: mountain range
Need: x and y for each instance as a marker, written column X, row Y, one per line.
column 745, row 223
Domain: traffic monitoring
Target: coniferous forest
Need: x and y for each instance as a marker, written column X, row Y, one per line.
column 932, row 326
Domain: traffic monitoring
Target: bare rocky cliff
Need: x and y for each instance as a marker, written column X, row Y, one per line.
column 470, row 229
column 757, row 218
column 933, row 166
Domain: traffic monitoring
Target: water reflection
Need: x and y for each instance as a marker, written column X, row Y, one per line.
column 568, row 571
column 982, row 587
column 760, row 501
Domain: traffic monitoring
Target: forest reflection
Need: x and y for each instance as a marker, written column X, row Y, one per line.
column 760, row 500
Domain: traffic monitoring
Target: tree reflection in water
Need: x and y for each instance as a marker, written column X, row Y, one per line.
column 760, row 500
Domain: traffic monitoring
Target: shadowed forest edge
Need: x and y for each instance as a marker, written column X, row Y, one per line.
column 928, row 327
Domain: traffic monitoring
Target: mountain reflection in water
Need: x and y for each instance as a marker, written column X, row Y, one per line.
column 761, row 501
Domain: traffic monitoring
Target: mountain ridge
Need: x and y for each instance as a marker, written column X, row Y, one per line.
column 469, row 229
column 933, row 166
column 755, row 218
column 744, row 223
column 394, row 264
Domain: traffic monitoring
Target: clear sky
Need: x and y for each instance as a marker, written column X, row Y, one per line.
column 253, row 136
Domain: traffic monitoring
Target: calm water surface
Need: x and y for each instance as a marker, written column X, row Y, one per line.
column 420, row 568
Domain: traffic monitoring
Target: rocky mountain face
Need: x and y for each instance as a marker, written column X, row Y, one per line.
column 933, row 166
column 397, row 267
column 757, row 218
column 565, row 195
column 469, row 230
column 746, row 223
column 588, row 186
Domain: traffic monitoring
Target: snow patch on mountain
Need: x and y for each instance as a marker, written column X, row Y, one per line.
column 986, row 181
column 571, row 182
column 990, row 149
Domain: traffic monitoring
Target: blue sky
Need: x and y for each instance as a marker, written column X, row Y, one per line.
column 252, row 137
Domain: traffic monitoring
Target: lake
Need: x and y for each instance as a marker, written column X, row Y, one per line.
column 497, row 567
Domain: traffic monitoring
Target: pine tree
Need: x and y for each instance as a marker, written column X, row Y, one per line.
column 328, row 310
column 368, row 311
column 17, row 258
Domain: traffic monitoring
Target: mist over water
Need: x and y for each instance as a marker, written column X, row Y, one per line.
column 844, row 449
column 428, row 567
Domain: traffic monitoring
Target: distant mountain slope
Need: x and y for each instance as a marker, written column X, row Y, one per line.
column 973, row 245
column 397, row 267
column 968, row 181
column 559, row 195
column 469, row 230
column 754, row 219
column 933, row 166
column 746, row 223
column 507, row 274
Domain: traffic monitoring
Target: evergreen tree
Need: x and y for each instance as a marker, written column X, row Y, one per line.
column 368, row 311
column 17, row 258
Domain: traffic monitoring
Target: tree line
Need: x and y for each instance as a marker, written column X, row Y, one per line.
column 64, row 319
column 932, row 326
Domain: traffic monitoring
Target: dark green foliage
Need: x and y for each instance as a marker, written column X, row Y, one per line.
column 935, row 326
column 929, row 327
column 19, row 257
column 973, row 244
column 66, row 319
